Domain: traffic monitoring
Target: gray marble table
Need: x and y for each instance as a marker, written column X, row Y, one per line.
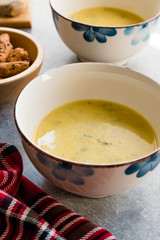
column 132, row 215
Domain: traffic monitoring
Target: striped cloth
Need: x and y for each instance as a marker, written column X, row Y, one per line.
column 27, row 212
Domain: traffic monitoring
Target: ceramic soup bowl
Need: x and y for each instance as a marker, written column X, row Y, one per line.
column 105, row 44
column 88, row 81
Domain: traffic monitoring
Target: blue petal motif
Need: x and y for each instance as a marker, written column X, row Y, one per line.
column 88, row 36
column 61, row 171
column 45, row 161
column 143, row 171
column 100, row 37
column 64, row 171
column 107, row 31
column 79, row 27
column 145, row 25
column 141, row 34
column 91, row 33
column 74, row 174
column 136, row 40
column 154, row 161
column 76, row 178
column 144, row 167
column 134, row 168
column 86, row 172
column 146, row 37
column 128, row 31
column 56, row 15
column 55, row 19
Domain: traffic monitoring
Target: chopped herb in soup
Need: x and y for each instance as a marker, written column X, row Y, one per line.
column 95, row 131
column 106, row 16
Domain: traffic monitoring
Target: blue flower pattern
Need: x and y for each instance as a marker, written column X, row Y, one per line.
column 55, row 19
column 141, row 34
column 74, row 174
column 92, row 33
column 66, row 171
column 142, row 168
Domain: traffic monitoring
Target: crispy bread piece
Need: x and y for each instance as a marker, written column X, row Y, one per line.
column 5, row 46
column 12, row 8
column 8, row 69
column 18, row 54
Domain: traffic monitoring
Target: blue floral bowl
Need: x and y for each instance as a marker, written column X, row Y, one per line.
column 88, row 81
column 105, row 44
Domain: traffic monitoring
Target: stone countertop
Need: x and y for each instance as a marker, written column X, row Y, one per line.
column 132, row 215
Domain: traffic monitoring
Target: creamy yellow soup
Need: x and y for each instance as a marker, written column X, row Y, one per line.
column 105, row 16
column 95, row 131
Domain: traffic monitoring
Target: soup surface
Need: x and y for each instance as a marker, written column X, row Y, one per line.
column 105, row 16
column 95, row 131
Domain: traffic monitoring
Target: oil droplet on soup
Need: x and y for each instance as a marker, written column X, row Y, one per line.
column 105, row 16
column 95, row 131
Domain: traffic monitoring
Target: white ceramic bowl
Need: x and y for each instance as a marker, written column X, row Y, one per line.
column 105, row 44
column 10, row 87
column 88, row 81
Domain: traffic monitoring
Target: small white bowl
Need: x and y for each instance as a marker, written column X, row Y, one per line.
column 10, row 87
column 88, row 81
column 105, row 44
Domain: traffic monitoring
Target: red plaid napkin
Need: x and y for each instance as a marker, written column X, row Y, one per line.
column 27, row 212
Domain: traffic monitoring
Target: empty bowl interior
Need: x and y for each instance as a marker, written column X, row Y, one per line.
column 87, row 81
column 145, row 8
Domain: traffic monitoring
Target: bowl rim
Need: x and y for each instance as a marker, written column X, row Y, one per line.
column 63, row 160
column 105, row 27
column 37, row 62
